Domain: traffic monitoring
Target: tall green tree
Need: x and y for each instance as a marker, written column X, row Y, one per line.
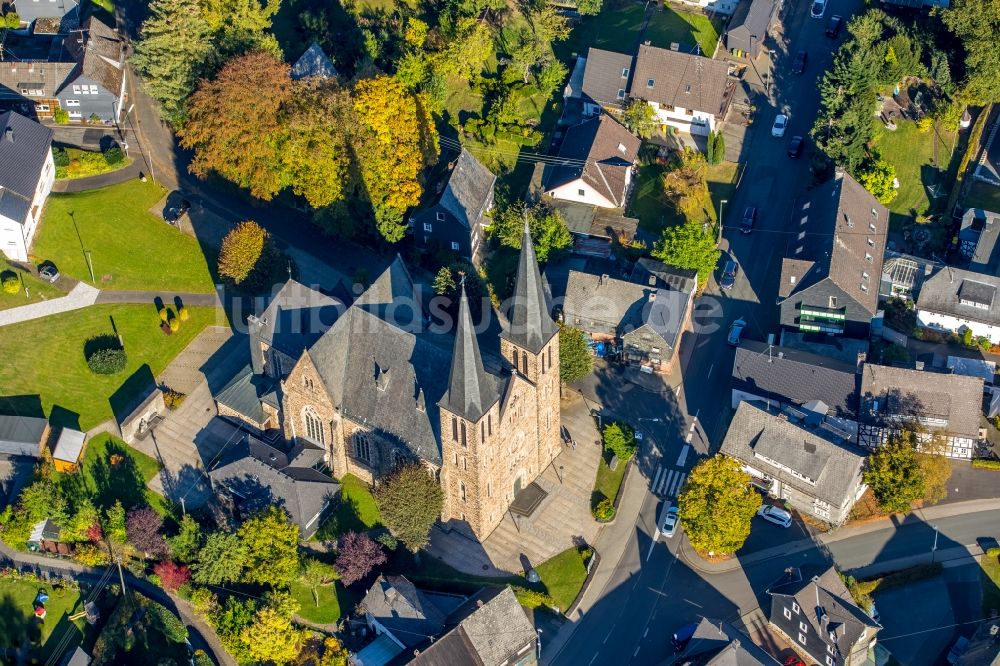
column 549, row 232
column 242, row 25
column 410, row 500
column 877, row 177
column 894, row 474
column 575, row 359
column 716, row 506
column 272, row 542
column 173, row 51
column 640, row 118
column 977, row 23
column 688, row 246
column 184, row 546
column 221, row 559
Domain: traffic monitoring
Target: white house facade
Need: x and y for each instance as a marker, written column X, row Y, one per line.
column 953, row 300
column 718, row 6
column 27, row 172
column 580, row 191
column 686, row 120
column 949, row 323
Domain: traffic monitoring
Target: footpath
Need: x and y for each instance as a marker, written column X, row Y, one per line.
column 200, row 635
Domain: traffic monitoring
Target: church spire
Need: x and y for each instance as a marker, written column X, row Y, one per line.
column 529, row 325
column 471, row 392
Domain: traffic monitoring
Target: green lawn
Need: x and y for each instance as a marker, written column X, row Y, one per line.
column 334, row 601
column 563, row 576
column 982, row 195
column 17, row 620
column 911, row 152
column 655, row 215
column 608, row 481
column 991, row 584
column 614, row 29
column 112, row 470
column 130, row 247
column 38, row 290
column 669, row 25
column 88, row 163
column 44, row 358
column 356, row 511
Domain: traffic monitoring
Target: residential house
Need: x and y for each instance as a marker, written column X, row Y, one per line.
column 977, row 240
column 800, row 457
column 22, row 435
column 82, row 72
column 717, row 643
column 596, row 231
column 597, row 160
column 68, row 450
column 48, row 15
column 256, row 475
column 781, row 376
column 314, row 63
column 645, row 320
column 457, row 221
column 833, row 261
column 952, row 300
column 943, row 410
column 26, row 176
column 821, row 620
column 606, row 78
column 714, row 6
column 747, row 29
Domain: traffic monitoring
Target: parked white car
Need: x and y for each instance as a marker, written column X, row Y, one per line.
column 818, row 8
column 775, row 515
column 779, row 126
column 670, row 521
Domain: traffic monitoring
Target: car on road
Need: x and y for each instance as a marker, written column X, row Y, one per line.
column 833, row 27
column 683, row 636
column 796, row 146
column 48, row 272
column 670, row 521
column 779, row 126
column 749, row 218
column 736, row 332
column 729, row 275
column 775, row 515
column 818, row 8
column 799, row 64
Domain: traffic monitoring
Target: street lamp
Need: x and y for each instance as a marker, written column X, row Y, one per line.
column 722, row 207
column 934, row 547
column 539, row 632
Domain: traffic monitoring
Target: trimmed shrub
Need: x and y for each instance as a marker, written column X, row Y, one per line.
column 11, row 283
column 985, row 463
column 164, row 315
column 246, row 250
column 387, row 540
column 175, row 324
column 993, row 552
column 105, row 355
column 113, row 156
column 12, row 20
column 61, row 116
column 529, row 598
column 183, row 313
column 60, row 157
column 619, row 438
column 605, row 511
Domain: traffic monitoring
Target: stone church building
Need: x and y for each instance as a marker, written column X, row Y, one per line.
column 380, row 387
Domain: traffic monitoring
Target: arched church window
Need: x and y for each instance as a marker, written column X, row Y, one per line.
column 362, row 447
column 314, row 426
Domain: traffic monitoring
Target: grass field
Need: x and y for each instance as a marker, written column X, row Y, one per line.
column 563, row 576
column 911, row 152
column 355, row 512
column 334, row 601
column 17, row 620
column 608, row 481
column 668, row 26
column 38, row 290
column 652, row 211
column 44, row 358
column 111, row 471
column 130, row 247
column 990, row 577
column 613, row 29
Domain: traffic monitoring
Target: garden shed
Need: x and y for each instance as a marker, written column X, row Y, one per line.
column 69, row 448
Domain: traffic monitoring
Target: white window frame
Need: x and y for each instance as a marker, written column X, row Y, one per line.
column 72, row 102
column 803, row 627
column 788, row 613
column 440, row 216
column 829, row 660
column 428, row 227
column 78, row 91
column 454, row 246
column 802, row 639
column 795, row 608
column 93, row 89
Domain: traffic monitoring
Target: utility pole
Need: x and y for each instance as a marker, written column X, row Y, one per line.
column 90, row 265
column 722, row 207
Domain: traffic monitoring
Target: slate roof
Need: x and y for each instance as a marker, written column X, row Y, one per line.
column 655, row 273
column 818, row 453
column 623, row 304
column 410, row 614
column 101, row 56
column 599, row 151
column 313, row 63
column 905, row 392
column 69, row 446
column 21, row 435
column 721, row 644
column 795, row 377
column 832, row 240
column 753, row 16
column 602, row 77
column 48, row 77
column 943, row 292
column 296, row 318
column 529, row 321
column 244, row 392
column 680, row 79
column 826, row 594
column 471, row 392
column 24, row 147
column 980, row 230
column 263, row 475
column 44, row 530
column 469, row 188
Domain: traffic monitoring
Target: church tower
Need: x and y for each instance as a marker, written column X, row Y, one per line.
column 471, row 434
column 530, row 343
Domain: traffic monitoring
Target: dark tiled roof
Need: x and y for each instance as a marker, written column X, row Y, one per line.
column 945, row 290
column 296, row 318
column 24, row 147
column 471, row 392
column 818, row 453
column 602, row 77
column 469, row 188
column 21, row 435
column 410, row 614
column 721, row 644
column 604, row 299
column 833, row 238
column 529, row 322
column 655, row 273
column 795, row 377
column 101, row 55
column 680, row 79
column 600, row 152
column 919, row 393
column 51, row 75
column 754, row 16
column 313, row 63
column 978, row 237
column 243, row 394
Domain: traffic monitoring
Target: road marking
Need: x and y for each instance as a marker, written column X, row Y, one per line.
column 693, row 603
column 668, row 481
column 593, row 660
column 659, row 470
column 678, row 484
column 609, row 635
column 684, row 452
column 710, row 371
column 645, row 632
column 636, row 653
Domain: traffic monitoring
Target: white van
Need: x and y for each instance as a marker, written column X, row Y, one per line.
column 775, row 515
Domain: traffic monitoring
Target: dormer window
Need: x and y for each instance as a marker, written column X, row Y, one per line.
column 624, row 72
column 440, row 217
column 833, row 301
column 869, row 258
column 864, row 276
column 428, row 227
column 850, row 222
column 871, row 225
column 871, row 243
column 650, row 83
column 621, row 93
column 621, row 147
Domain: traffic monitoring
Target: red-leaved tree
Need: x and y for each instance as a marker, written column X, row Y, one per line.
column 357, row 555
column 95, row 533
column 172, row 575
column 142, row 529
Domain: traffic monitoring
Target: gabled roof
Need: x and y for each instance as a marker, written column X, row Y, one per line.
column 471, row 392
column 827, row 606
column 244, row 392
column 48, row 77
column 529, row 322
column 953, row 291
column 754, row 16
column 21, row 435
column 721, row 644
column 680, row 79
column 263, row 475
column 902, row 392
column 410, row 614
column 978, row 235
column 296, row 317
column 24, row 148
column 821, row 453
column 45, row 530
column 600, row 152
column 836, row 228
column 795, row 377
column 100, row 52
column 469, row 188
column 655, row 273
column 606, row 73
column 313, row 62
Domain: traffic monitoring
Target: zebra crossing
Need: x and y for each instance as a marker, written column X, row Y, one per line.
column 668, row 482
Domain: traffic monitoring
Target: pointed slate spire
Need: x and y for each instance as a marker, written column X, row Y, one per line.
column 529, row 325
column 471, row 392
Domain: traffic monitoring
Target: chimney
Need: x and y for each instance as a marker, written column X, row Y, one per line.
column 604, row 276
column 9, row 134
column 479, row 603
column 862, row 357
